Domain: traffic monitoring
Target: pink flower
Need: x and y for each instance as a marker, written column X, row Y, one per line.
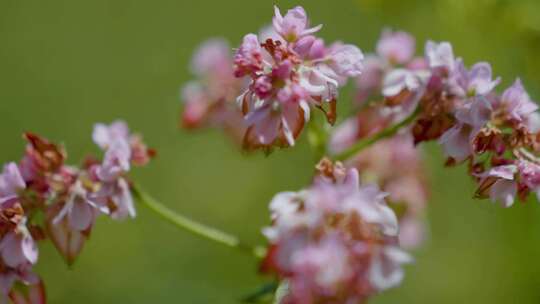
column 34, row 293
column 472, row 117
column 197, row 104
column 386, row 271
column 294, row 25
column 396, row 47
column 310, row 47
column 412, row 232
column 35, row 289
column 116, row 161
column 440, row 56
column 369, row 203
column 516, row 103
column 104, row 136
column 68, row 241
column 529, row 174
column 346, row 60
column 116, row 196
column 457, row 142
column 501, row 184
column 212, row 58
column 276, row 123
column 477, row 81
column 11, row 182
column 334, row 222
column 248, row 59
column 18, row 247
column 289, row 76
column 209, row 100
column 79, row 210
column 311, row 271
column 400, row 80
column 396, row 165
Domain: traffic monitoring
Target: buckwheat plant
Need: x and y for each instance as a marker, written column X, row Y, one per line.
column 43, row 198
column 341, row 239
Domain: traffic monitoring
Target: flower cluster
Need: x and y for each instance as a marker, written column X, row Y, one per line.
column 42, row 198
column 396, row 165
column 496, row 134
column 290, row 70
column 336, row 241
column 276, row 78
column 209, row 100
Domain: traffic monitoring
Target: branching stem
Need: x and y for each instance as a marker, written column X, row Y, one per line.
column 367, row 142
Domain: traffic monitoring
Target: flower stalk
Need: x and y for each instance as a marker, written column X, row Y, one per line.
column 365, row 143
column 194, row 227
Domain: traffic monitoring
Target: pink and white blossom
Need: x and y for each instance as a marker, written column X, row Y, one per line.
column 294, row 25
column 396, row 47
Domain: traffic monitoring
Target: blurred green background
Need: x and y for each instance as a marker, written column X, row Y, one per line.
column 65, row 65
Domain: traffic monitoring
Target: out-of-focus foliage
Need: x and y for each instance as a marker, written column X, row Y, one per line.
column 67, row 64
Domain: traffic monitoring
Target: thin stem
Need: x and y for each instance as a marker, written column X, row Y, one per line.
column 189, row 225
column 365, row 143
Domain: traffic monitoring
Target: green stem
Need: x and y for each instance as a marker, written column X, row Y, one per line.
column 189, row 225
column 365, row 143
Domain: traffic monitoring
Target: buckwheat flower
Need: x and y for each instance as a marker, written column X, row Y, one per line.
column 117, row 198
column 500, row 184
column 34, row 293
column 113, row 194
column 67, row 234
column 386, row 268
column 396, row 47
column 41, row 158
column 412, row 232
column 249, row 58
column 209, row 99
column 287, row 76
column 276, row 123
column 529, row 175
column 11, row 182
column 294, row 25
column 18, row 248
column 212, row 58
column 140, row 153
column 310, row 47
column 371, row 205
column 334, row 242
column 79, row 210
column 440, row 56
column 457, row 142
column 396, row 165
column 70, row 216
column 477, row 81
column 472, row 117
column 516, row 104
column 285, row 216
column 116, row 161
column 532, row 122
column 196, row 104
column 400, row 80
column 311, row 271
column 105, row 135
column 346, row 60
column 35, row 290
